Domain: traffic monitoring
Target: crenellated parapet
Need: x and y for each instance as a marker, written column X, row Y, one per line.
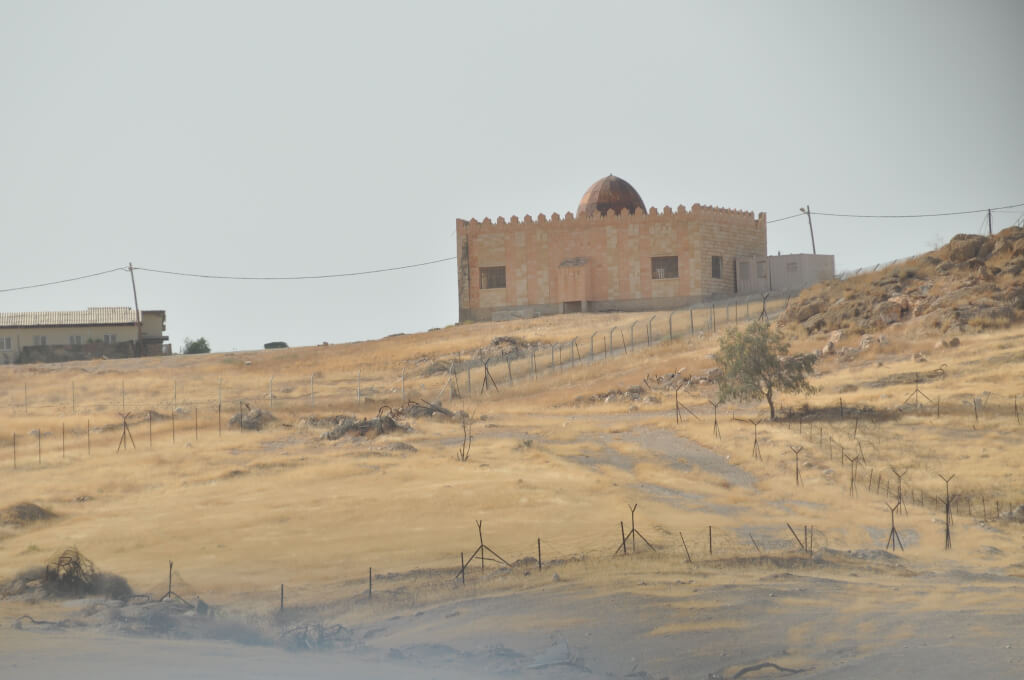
column 697, row 211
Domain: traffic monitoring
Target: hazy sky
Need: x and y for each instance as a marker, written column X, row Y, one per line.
column 284, row 138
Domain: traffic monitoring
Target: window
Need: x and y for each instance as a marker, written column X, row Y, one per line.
column 743, row 270
column 665, row 267
column 76, row 339
column 109, row 338
column 38, row 339
column 762, row 270
column 5, row 344
column 716, row 266
column 492, row 277
column 792, row 267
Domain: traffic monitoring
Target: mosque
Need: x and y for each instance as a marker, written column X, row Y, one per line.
column 614, row 254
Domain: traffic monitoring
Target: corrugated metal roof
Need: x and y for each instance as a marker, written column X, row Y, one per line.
column 93, row 316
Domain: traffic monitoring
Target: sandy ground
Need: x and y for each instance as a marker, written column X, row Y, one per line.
column 240, row 513
column 840, row 614
column 880, row 620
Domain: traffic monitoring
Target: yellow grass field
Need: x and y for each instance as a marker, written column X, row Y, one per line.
column 242, row 512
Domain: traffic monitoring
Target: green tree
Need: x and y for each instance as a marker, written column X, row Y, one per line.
column 198, row 346
column 756, row 365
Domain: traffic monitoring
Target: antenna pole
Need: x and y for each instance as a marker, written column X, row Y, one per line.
column 811, row 226
column 138, row 316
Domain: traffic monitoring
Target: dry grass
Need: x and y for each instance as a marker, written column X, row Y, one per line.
column 240, row 513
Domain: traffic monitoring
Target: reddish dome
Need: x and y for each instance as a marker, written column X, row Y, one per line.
column 610, row 193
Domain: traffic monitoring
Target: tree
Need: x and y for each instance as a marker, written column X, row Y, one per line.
column 199, row 346
column 756, row 365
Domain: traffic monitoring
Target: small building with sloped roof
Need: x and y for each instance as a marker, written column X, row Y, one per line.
column 27, row 337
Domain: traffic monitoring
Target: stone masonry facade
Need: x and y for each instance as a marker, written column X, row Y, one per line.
column 648, row 259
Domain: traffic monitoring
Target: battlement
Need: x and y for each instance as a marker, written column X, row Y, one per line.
column 696, row 211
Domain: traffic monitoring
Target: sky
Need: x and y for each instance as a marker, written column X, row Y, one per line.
column 298, row 138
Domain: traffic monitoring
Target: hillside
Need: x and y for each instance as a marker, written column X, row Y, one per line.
column 970, row 285
column 565, row 448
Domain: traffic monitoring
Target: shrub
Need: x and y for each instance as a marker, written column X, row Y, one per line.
column 198, row 346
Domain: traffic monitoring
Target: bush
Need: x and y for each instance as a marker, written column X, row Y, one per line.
column 198, row 346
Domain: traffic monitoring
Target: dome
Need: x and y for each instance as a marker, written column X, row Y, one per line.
column 610, row 193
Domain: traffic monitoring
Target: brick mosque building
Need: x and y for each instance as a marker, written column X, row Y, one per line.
column 614, row 254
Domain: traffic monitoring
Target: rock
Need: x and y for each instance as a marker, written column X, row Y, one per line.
column 940, row 344
column 866, row 341
column 902, row 300
column 964, row 247
column 829, row 348
column 804, row 311
column 836, row 337
column 1003, row 248
column 815, row 323
column 253, row 419
column 555, row 578
column 888, row 312
column 920, row 357
column 954, row 341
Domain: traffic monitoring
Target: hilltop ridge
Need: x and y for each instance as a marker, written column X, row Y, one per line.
column 971, row 284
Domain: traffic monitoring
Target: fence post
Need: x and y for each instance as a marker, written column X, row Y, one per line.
column 282, row 597
column 540, row 565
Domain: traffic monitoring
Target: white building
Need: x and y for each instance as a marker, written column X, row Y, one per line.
column 81, row 334
column 782, row 272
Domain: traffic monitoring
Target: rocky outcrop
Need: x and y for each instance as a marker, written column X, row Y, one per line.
column 973, row 283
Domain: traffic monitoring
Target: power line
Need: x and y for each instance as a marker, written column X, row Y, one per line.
column 783, row 219
column 897, row 217
column 303, row 277
column 54, row 283
column 307, row 277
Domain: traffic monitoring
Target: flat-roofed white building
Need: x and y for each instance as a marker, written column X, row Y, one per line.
column 763, row 273
column 81, row 334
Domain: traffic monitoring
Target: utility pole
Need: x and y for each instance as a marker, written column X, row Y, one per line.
column 138, row 316
column 807, row 210
column 990, row 221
